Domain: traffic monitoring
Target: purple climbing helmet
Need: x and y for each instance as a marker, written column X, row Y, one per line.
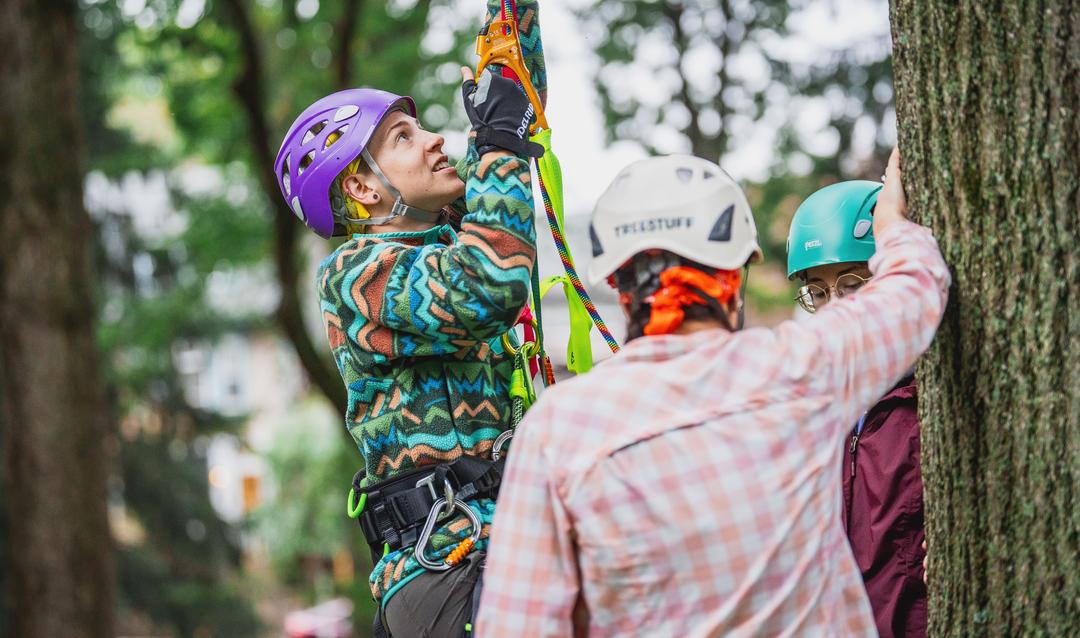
column 306, row 167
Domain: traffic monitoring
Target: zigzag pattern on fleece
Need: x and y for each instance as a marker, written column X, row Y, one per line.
column 415, row 319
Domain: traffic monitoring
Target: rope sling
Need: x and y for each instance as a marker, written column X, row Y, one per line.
column 499, row 43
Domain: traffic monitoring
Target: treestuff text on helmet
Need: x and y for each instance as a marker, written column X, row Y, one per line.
column 679, row 203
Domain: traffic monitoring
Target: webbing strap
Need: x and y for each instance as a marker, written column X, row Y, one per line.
column 579, row 359
column 396, row 508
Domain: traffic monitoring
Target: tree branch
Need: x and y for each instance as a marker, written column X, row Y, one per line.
column 248, row 89
column 347, row 28
column 698, row 143
column 722, row 109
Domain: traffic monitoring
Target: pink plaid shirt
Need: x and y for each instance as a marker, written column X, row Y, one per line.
column 688, row 486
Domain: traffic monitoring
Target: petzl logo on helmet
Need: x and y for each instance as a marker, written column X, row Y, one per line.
column 813, row 243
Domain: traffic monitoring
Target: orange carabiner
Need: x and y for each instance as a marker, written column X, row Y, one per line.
column 498, row 43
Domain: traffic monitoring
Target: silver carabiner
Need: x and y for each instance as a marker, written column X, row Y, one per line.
column 429, row 526
column 448, row 493
column 500, row 441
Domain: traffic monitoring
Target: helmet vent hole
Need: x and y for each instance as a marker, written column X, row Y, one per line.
column 721, row 230
column 710, row 175
column 684, row 174
column 286, row 182
column 335, row 136
column 305, row 161
column 298, row 209
column 313, row 131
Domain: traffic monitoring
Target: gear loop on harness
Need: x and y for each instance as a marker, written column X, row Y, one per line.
column 429, row 527
column 354, row 509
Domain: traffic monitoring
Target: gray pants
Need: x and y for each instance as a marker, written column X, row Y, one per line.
column 435, row 604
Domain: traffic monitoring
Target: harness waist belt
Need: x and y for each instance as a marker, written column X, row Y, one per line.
column 396, row 508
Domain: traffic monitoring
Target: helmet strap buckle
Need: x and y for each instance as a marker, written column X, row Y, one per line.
column 400, row 208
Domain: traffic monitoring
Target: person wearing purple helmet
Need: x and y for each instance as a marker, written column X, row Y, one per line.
column 415, row 303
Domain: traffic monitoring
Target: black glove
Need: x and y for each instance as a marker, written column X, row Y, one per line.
column 500, row 113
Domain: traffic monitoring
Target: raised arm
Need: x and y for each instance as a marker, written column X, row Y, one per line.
column 532, row 49
column 435, row 299
column 860, row 345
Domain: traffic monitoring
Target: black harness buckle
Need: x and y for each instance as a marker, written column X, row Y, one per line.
column 397, row 508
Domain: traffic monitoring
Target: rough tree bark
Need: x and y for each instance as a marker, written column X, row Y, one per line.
column 52, row 403
column 988, row 107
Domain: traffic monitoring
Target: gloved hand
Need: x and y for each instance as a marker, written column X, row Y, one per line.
column 500, row 113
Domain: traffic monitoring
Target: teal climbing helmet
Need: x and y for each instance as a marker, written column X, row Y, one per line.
column 833, row 226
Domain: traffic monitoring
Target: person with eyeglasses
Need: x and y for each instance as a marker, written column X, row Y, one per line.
column 830, row 243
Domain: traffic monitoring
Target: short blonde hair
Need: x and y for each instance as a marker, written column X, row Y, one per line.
column 346, row 208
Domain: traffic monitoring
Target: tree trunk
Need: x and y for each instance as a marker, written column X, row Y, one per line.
column 988, row 107
column 55, row 417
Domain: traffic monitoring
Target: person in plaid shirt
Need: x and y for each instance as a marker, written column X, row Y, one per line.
column 688, row 486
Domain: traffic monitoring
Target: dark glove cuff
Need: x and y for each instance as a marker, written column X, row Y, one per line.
column 488, row 139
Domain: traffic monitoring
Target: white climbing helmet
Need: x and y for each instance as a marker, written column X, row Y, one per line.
column 679, row 203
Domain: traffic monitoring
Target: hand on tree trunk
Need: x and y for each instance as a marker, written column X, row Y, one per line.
column 892, row 202
column 925, row 562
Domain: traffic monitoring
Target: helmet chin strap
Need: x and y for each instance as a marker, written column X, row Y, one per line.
column 400, row 208
column 742, row 298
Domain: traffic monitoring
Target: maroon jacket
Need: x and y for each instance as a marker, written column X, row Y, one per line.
column 883, row 511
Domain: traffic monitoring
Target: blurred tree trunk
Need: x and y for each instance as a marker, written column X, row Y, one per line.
column 250, row 92
column 60, row 576
column 988, row 103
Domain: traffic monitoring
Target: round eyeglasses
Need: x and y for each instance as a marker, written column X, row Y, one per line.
column 813, row 297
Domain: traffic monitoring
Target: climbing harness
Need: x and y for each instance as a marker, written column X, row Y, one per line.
column 402, row 511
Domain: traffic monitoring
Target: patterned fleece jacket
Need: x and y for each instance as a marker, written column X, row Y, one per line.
column 415, row 320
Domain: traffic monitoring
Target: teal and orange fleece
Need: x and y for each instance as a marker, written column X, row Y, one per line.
column 415, row 322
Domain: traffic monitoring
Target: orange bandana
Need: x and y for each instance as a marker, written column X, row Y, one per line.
column 679, row 287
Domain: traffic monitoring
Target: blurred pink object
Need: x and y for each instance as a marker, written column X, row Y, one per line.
column 332, row 619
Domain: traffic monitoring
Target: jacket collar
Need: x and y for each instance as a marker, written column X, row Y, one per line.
column 669, row 346
column 902, row 391
column 441, row 234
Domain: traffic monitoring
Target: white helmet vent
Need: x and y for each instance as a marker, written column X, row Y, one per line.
column 346, row 112
column 298, row 210
column 684, row 174
column 721, row 230
column 305, row 161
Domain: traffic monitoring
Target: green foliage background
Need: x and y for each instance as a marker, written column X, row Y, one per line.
column 165, row 90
